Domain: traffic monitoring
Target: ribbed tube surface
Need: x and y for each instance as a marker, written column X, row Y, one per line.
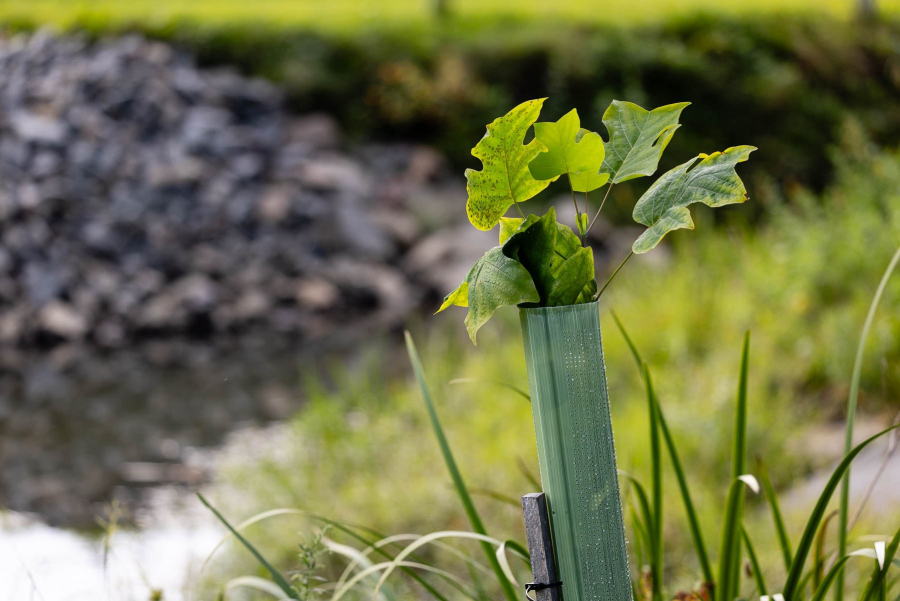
column 570, row 403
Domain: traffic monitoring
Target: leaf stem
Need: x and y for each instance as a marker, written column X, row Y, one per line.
column 519, row 209
column 577, row 212
column 594, row 220
column 621, row 265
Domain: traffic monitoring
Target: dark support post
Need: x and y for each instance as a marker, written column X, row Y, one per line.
column 546, row 586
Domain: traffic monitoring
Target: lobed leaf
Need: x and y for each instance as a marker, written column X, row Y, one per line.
column 533, row 244
column 713, row 182
column 572, row 283
column 569, row 150
column 637, row 138
column 505, row 179
column 494, row 281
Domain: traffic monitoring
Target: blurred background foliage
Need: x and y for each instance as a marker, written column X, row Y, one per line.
column 782, row 78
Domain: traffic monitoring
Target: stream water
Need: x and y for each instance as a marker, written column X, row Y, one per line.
column 136, row 432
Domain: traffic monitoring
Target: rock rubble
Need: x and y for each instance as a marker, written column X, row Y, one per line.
column 141, row 196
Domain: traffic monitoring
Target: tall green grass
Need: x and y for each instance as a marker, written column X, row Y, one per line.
column 734, row 535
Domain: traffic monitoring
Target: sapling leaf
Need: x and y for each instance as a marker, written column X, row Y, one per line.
column 552, row 254
column 582, row 221
column 713, row 181
column 569, row 150
column 590, row 179
column 508, row 227
column 567, row 245
column 567, row 242
column 637, row 138
column 496, row 280
column 533, row 244
column 459, row 297
column 505, row 179
column 575, row 275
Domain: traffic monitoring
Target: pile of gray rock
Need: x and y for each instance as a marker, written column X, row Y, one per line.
column 141, row 196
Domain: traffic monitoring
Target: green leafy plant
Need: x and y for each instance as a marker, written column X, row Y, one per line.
column 454, row 571
column 543, row 263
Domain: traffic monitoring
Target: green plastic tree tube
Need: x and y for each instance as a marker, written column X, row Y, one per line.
column 570, row 403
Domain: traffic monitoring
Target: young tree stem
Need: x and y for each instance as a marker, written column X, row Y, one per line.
column 603, row 202
column 577, row 213
column 622, row 264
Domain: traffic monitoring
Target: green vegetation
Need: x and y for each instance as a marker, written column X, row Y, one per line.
column 347, row 16
column 542, row 263
column 784, row 83
column 358, row 450
column 727, row 585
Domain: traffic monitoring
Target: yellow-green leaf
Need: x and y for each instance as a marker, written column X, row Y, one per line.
column 508, row 227
column 713, row 181
column 583, row 221
column 637, row 138
column 505, row 178
column 459, row 297
column 569, row 150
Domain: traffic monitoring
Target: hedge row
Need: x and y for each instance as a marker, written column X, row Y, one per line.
column 784, row 84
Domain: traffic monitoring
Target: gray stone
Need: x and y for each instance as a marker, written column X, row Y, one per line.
column 38, row 129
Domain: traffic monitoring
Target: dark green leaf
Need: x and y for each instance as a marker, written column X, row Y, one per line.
column 533, row 244
column 876, row 582
column 572, row 279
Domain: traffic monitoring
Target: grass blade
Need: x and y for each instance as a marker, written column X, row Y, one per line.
column 655, row 526
column 851, row 416
column 754, row 563
column 640, row 535
column 806, row 541
column 255, row 583
column 628, row 341
column 729, row 556
column 532, row 479
column 693, row 520
column 772, row 499
column 280, row 580
column 646, row 514
column 819, row 564
column 823, row 588
column 455, row 474
column 878, row 579
column 739, row 443
column 499, row 383
column 345, row 527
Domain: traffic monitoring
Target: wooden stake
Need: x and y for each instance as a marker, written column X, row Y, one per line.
column 540, row 546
